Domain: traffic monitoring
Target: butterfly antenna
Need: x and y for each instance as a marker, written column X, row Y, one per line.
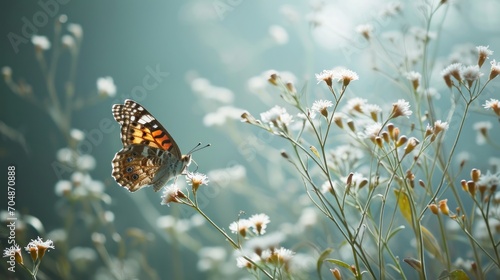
column 197, row 148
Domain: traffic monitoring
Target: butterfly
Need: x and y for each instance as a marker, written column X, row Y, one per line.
column 150, row 156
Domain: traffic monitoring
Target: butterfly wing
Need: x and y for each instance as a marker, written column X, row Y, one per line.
column 139, row 127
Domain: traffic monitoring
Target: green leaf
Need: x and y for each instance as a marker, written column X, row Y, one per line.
column 338, row 262
column 430, row 243
column 458, row 275
column 396, row 230
column 321, row 259
column 404, row 205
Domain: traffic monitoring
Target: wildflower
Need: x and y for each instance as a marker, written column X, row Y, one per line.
column 276, row 116
column 325, row 76
column 41, row 42
column 440, row 126
column 86, row 162
column 42, row 246
column 470, row 74
column 243, row 262
column 414, row 77
column 321, row 106
column 345, row 76
column 63, row 188
column 475, row 173
column 259, row 223
column 278, row 257
column 76, row 30
column 493, row 104
column 366, row 30
column 434, row 208
column 336, row 273
column 106, row 86
column 262, row 242
column 81, row 257
column 495, row 69
column 483, row 53
column 412, row 143
column 489, row 181
column 7, row 73
column 15, row 251
column 196, row 180
column 401, row 108
column 240, row 227
column 372, row 131
column 77, row 134
column 482, row 128
column 443, row 206
column 68, row 41
column 452, row 70
column 279, row 34
column 373, row 110
column 172, row 193
column 356, row 104
column 210, row 257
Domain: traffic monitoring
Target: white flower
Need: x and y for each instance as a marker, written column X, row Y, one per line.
column 172, row 193
column 373, row 130
column 240, row 227
column 259, row 223
column 210, row 257
column 344, row 75
column 40, row 42
column 279, row 34
column 471, row 73
column 483, row 53
column 106, row 86
column 325, row 76
column 356, row 104
column 401, row 108
column 365, row 29
column 482, row 129
column 320, row 105
column 440, row 126
column 276, row 116
column 68, row 41
column 495, row 69
column 76, row 30
column 63, row 187
column 278, row 257
column 493, row 104
column 490, row 181
column 414, row 77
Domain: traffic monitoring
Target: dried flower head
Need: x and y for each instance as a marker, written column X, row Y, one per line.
column 495, row 69
column 366, row 30
column 172, row 193
column 401, row 108
column 325, row 76
column 321, row 106
column 483, row 53
column 471, row 73
column 14, row 251
column 276, row 116
column 41, row 247
column 493, row 104
column 414, row 77
column 344, row 75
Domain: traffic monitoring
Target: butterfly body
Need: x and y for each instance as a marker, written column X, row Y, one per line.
column 150, row 156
